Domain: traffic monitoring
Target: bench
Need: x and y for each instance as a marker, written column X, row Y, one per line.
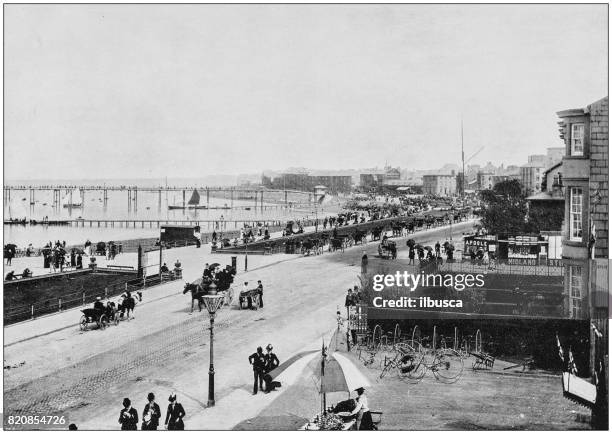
column 483, row 361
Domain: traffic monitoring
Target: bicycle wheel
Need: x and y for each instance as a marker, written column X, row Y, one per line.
column 397, row 334
column 447, row 367
column 412, row 369
column 416, row 336
column 377, row 336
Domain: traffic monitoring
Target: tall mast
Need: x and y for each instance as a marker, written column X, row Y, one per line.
column 462, row 164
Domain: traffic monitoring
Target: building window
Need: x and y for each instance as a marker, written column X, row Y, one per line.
column 577, row 140
column 575, row 291
column 576, row 214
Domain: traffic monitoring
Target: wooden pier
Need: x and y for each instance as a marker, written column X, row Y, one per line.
column 256, row 194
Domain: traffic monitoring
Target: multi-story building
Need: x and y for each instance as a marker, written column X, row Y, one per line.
column 484, row 180
column 392, row 173
column 585, row 235
column 531, row 176
column 303, row 181
column 371, row 180
column 440, row 184
column 335, row 183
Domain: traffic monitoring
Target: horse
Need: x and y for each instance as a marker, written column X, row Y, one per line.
column 196, row 294
column 359, row 237
column 376, row 232
column 126, row 305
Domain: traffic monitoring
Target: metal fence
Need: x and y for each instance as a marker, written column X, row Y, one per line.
column 80, row 298
column 474, row 267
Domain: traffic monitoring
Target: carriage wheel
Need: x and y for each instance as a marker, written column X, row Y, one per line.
column 83, row 323
column 103, row 322
column 377, row 336
column 448, row 367
column 397, row 333
column 416, row 336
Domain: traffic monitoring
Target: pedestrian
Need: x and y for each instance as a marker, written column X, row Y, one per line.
column 174, row 415
column 260, row 292
column 151, row 414
column 349, row 299
column 72, row 258
column 128, row 417
column 79, row 262
column 411, row 256
column 258, row 361
column 364, row 263
column 272, row 363
column 72, row 427
column 364, row 417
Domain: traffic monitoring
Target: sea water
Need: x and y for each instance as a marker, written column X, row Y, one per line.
column 119, row 208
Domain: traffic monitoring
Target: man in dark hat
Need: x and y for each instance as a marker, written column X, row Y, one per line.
column 151, row 414
column 349, row 299
column 260, row 291
column 258, row 361
column 272, row 363
column 128, row 417
column 175, row 414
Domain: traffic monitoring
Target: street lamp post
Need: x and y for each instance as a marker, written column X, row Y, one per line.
column 213, row 302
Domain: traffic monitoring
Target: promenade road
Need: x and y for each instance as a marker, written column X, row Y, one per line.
column 87, row 374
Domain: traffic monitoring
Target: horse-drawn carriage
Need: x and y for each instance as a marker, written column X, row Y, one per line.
column 311, row 246
column 336, row 244
column 199, row 289
column 376, row 233
column 91, row 316
column 250, row 298
column 359, row 236
column 387, row 249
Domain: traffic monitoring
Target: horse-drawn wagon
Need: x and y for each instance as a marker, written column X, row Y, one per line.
column 387, row 249
column 249, row 298
column 91, row 316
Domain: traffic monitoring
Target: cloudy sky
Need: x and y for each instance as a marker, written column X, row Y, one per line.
column 116, row 91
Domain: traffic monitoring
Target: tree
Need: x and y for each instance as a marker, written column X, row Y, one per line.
column 505, row 208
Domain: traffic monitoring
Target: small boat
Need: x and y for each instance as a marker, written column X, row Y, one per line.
column 72, row 199
column 194, row 202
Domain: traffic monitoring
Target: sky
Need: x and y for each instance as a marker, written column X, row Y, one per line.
column 138, row 91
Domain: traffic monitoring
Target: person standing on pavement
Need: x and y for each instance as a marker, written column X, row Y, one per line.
column 258, row 361
column 272, row 363
column 364, row 417
column 364, row 263
column 174, row 415
column 128, row 417
column 260, row 292
column 151, row 414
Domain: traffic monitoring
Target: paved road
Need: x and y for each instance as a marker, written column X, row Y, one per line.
column 165, row 349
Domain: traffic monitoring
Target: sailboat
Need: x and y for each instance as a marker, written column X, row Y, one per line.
column 194, row 202
column 72, row 199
